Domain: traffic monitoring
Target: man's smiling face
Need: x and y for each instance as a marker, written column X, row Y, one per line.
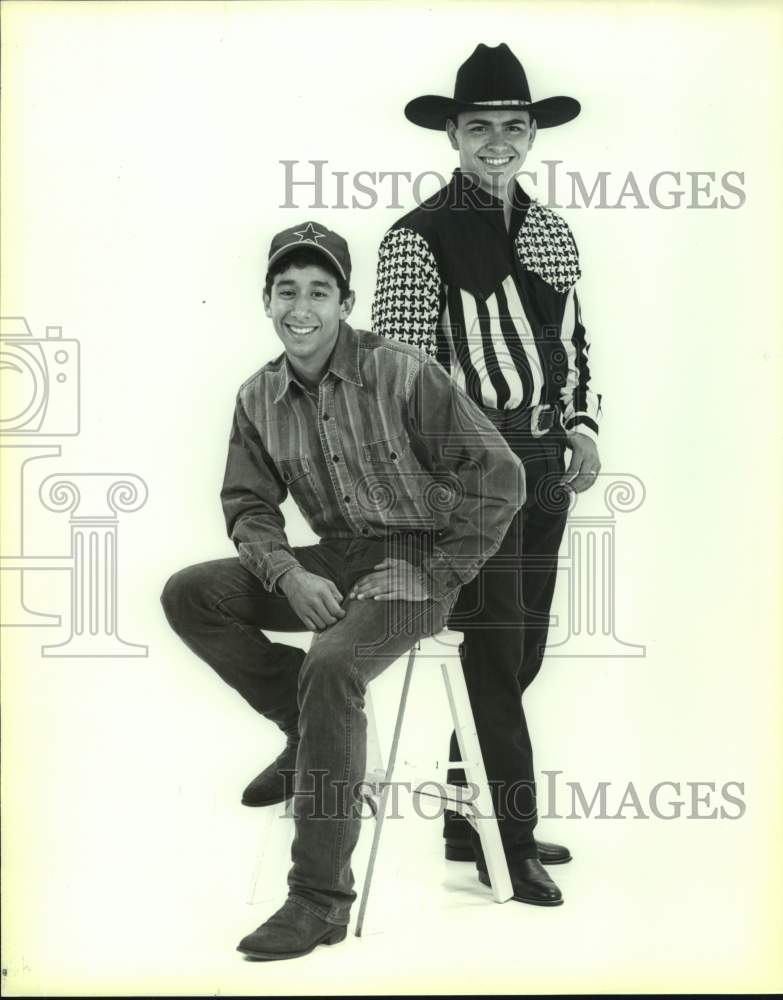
column 305, row 309
column 492, row 145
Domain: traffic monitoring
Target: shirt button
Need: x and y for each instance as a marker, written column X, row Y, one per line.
column 365, row 531
column 393, row 456
column 326, row 416
column 347, row 499
column 335, row 458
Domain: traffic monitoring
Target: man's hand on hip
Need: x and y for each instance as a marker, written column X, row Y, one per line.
column 391, row 580
column 315, row 599
column 585, row 464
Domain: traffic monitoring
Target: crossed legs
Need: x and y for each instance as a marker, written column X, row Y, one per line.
column 219, row 610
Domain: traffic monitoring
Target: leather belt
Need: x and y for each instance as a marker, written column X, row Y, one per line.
column 538, row 420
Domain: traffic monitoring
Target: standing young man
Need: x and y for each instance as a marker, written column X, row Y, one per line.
column 482, row 278
column 362, row 432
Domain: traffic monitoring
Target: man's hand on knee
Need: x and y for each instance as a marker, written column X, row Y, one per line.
column 392, row 580
column 315, row 599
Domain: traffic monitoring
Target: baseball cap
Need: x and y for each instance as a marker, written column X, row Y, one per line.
column 316, row 237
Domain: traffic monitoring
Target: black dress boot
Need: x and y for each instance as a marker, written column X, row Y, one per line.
column 530, row 883
column 459, row 847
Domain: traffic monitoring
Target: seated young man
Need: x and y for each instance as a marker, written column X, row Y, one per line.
column 368, row 437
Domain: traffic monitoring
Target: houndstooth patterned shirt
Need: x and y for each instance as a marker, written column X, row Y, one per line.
column 498, row 308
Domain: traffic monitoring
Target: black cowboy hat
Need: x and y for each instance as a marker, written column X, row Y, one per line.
column 490, row 78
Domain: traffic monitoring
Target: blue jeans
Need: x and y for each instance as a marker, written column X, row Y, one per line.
column 218, row 608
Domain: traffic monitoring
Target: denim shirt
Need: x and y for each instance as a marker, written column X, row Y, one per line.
column 387, row 445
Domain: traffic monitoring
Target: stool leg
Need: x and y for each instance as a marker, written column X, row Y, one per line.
column 376, row 840
column 275, row 843
column 476, row 775
column 374, row 771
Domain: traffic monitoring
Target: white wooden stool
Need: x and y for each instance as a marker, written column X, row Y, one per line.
column 474, row 802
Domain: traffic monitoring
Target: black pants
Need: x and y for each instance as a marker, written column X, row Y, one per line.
column 504, row 615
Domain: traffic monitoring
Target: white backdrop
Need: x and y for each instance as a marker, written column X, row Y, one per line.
column 141, row 185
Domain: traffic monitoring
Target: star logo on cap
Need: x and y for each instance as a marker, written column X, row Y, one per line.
column 309, row 235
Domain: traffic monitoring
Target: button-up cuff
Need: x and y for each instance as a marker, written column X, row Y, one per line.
column 577, row 426
column 444, row 576
column 269, row 567
column 443, row 582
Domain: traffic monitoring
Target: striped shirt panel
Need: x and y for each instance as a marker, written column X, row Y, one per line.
column 581, row 407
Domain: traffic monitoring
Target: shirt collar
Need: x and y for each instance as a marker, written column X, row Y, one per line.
column 467, row 194
column 345, row 356
column 344, row 362
column 477, row 197
column 284, row 378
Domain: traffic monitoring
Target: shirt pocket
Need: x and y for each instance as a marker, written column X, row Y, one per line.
column 393, row 487
column 300, row 477
column 390, row 451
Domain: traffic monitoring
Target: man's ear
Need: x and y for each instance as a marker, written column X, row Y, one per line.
column 451, row 132
column 267, row 305
column 346, row 306
column 532, row 136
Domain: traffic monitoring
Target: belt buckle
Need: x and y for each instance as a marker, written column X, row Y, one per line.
column 538, row 426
